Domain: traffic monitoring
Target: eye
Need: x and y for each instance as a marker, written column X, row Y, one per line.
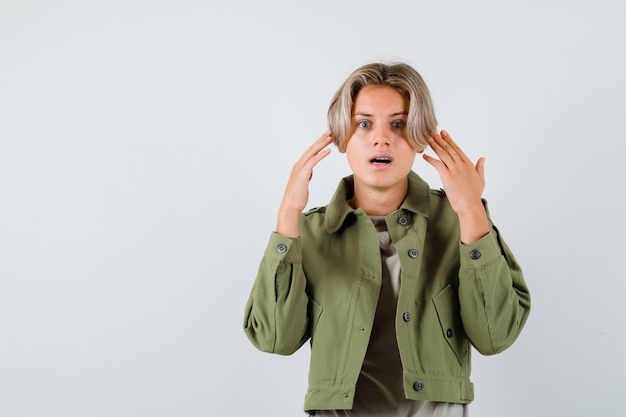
column 398, row 124
column 364, row 124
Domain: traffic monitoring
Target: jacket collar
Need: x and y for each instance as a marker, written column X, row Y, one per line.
column 417, row 201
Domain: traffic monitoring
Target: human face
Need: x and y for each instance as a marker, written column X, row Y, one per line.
column 378, row 151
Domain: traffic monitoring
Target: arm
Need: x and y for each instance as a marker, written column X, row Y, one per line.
column 276, row 318
column 276, row 312
column 494, row 299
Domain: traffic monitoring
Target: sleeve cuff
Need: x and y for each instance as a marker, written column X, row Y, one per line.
column 482, row 252
column 284, row 248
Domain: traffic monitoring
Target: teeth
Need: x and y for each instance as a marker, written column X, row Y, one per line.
column 381, row 160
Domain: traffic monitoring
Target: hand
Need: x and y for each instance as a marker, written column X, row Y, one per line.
column 297, row 191
column 463, row 182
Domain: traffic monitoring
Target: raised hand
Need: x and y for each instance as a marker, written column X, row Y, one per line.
column 297, row 191
column 463, row 182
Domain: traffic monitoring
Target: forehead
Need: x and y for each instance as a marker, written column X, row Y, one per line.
column 379, row 99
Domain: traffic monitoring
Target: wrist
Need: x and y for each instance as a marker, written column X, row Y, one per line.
column 288, row 222
column 473, row 226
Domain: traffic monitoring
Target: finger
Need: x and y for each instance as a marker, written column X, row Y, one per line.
column 319, row 156
column 480, row 168
column 314, row 160
column 434, row 142
column 436, row 163
column 317, row 146
column 437, row 141
column 314, row 149
column 311, row 162
column 323, row 140
column 452, row 144
column 451, row 147
column 443, row 150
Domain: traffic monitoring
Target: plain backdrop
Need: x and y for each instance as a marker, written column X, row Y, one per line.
column 144, row 149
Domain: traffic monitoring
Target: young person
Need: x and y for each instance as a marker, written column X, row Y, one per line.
column 392, row 282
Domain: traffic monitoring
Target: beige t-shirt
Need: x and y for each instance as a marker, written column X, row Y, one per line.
column 379, row 390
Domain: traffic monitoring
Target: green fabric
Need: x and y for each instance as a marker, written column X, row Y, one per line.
column 324, row 286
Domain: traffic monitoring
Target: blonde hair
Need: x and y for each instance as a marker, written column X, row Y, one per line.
column 421, row 119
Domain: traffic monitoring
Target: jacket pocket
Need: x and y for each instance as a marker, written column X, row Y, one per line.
column 448, row 311
column 315, row 312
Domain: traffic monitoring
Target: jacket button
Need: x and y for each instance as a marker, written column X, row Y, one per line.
column 281, row 248
column 403, row 221
column 413, row 253
column 475, row 254
column 406, row 316
column 449, row 333
column 418, row 386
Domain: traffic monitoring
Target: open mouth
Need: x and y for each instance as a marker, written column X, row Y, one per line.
column 382, row 160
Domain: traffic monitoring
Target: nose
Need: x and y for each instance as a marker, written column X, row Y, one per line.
column 381, row 136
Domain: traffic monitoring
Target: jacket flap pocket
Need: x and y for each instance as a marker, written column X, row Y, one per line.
column 315, row 312
column 448, row 311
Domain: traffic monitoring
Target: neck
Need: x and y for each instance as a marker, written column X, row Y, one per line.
column 379, row 202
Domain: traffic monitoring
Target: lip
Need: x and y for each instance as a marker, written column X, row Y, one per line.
column 380, row 156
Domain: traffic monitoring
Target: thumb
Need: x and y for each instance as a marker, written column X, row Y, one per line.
column 480, row 167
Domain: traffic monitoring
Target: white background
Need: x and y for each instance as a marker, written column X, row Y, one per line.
column 144, row 147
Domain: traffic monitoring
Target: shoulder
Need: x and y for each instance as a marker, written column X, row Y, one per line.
column 313, row 221
column 439, row 199
column 440, row 213
column 315, row 210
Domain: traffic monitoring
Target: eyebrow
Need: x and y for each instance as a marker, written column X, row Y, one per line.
column 398, row 113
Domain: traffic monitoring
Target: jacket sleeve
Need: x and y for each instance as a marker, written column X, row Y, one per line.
column 275, row 317
column 494, row 298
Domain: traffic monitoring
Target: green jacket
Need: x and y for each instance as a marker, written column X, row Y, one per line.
column 324, row 286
